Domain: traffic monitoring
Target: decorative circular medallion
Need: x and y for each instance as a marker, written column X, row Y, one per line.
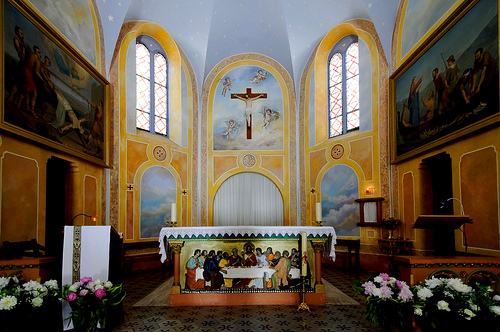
column 249, row 160
column 159, row 153
column 337, row 151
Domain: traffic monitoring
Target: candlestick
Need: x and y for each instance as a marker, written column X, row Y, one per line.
column 303, row 236
column 319, row 217
column 173, row 213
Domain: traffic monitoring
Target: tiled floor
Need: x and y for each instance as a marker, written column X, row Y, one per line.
column 242, row 318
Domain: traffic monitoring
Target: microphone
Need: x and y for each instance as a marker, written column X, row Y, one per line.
column 453, row 198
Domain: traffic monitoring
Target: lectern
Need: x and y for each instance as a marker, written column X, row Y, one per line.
column 444, row 230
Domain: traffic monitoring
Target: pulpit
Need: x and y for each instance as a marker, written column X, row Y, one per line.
column 444, row 227
column 184, row 241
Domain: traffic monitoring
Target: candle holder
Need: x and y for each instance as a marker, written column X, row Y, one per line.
column 319, row 222
column 172, row 223
column 303, row 305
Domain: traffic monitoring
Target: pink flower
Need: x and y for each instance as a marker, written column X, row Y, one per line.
column 100, row 293
column 71, row 297
column 369, row 287
column 86, row 279
column 385, row 276
column 399, row 284
column 84, row 292
column 386, row 292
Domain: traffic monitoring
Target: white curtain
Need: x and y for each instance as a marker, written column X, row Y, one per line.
column 248, row 199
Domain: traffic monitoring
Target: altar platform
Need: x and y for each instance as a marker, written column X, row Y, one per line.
column 470, row 269
column 183, row 241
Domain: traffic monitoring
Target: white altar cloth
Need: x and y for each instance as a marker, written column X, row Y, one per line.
column 247, row 231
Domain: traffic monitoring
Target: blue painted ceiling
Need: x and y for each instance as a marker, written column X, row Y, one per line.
column 209, row 31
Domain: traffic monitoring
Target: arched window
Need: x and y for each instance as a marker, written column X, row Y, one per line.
column 151, row 86
column 343, row 87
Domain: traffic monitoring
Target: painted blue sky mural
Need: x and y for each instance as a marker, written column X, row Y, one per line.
column 158, row 192
column 339, row 190
column 229, row 116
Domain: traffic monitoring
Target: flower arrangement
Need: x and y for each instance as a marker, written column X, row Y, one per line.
column 89, row 301
column 24, row 303
column 438, row 304
column 387, row 300
column 443, row 304
column 14, row 295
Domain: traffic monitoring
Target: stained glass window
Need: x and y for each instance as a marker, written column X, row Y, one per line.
column 151, row 87
column 343, row 87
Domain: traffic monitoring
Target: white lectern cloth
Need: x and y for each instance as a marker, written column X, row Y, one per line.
column 94, row 258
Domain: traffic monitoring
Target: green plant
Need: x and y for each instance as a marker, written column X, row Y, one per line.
column 89, row 301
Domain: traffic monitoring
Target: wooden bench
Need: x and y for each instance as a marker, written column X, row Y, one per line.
column 22, row 248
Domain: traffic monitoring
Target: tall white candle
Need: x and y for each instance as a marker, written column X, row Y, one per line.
column 173, row 213
column 319, row 217
column 303, row 238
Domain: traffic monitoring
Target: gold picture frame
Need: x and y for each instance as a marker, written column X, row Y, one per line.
column 51, row 93
column 426, row 112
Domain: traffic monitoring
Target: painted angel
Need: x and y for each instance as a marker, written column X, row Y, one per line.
column 269, row 116
column 231, row 129
column 226, row 85
column 259, row 76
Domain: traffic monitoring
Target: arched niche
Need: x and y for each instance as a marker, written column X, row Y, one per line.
column 248, row 199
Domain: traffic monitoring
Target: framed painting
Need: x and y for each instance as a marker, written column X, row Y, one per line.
column 51, row 94
column 449, row 87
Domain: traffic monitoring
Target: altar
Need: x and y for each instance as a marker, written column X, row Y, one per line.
column 183, row 242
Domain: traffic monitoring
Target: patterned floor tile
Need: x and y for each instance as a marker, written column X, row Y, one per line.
column 243, row 318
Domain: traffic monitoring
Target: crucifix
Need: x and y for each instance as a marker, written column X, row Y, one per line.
column 248, row 98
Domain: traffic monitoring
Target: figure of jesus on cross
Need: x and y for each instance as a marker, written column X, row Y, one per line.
column 248, row 98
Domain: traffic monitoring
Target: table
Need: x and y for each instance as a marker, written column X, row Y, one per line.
column 252, row 272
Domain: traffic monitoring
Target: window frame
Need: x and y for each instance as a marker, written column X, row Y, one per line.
column 341, row 48
column 154, row 48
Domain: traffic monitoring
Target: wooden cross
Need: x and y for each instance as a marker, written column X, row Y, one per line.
column 248, row 97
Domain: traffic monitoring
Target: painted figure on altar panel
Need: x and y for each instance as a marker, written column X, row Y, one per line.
column 193, row 263
column 213, row 273
column 280, row 277
column 261, row 258
column 249, row 258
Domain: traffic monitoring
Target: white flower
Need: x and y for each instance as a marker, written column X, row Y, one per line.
column 99, row 286
column 448, row 294
column 37, row 302
column 73, row 288
column 32, row 285
column 51, row 284
column 418, row 312
column 8, row 302
column 4, row 281
column 474, row 307
column 443, row 305
column 459, row 286
column 424, row 293
column 108, row 284
column 378, row 279
column 496, row 298
column 495, row 309
column 377, row 292
column 433, row 282
column 469, row 314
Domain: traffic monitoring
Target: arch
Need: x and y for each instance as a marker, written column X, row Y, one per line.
column 339, row 190
column 158, row 191
column 248, row 198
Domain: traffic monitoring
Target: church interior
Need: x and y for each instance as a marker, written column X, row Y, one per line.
column 376, row 119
